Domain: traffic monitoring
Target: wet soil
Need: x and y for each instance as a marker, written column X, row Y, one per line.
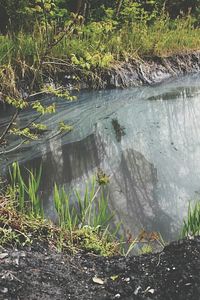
column 136, row 72
column 42, row 274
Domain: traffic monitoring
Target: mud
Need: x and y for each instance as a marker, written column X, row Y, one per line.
column 145, row 71
column 41, row 274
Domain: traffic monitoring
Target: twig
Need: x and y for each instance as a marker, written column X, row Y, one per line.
column 33, row 120
column 9, row 126
column 158, row 260
column 15, row 148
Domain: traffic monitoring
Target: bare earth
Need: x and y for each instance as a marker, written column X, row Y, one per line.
column 39, row 274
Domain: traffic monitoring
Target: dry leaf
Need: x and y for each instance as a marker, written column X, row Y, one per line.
column 97, row 280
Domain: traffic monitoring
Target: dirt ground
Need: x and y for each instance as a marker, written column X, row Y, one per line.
column 173, row 273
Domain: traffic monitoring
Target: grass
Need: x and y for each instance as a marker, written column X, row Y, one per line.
column 97, row 45
column 19, row 230
column 191, row 225
column 83, row 221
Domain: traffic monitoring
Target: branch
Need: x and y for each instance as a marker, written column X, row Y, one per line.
column 9, row 126
column 15, row 148
column 33, row 120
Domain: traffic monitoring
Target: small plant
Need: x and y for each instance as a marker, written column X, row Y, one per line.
column 191, row 225
column 26, row 194
column 148, row 239
column 91, row 240
column 84, row 220
column 83, row 223
column 91, row 209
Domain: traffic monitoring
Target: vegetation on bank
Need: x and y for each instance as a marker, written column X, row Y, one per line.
column 39, row 42
column 84, row 221
column 43, row 40
column 62, row 37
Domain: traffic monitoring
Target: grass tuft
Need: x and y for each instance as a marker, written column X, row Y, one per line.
column 83, row 220
column 191, row 225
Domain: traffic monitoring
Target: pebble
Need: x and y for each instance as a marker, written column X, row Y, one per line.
column 137, row 290
column 4, row 290
column 117, row 296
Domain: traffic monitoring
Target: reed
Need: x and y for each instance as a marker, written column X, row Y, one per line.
column 73, row 210
column 91, row 209
column 191, row 224
column 26, row 195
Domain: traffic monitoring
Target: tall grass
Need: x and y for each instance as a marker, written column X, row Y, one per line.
column 97, row 44
column 82, row 217
column 74, row 211
column 191, row 225
column 25, row 194
column 91, row 209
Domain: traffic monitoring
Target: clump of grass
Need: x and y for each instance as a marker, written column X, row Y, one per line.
column 91, row 209
column 191, row 225
column 83, row 222
column 22, row 191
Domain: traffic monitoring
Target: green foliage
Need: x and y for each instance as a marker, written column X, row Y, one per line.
column 91, row 209
column 84, row 218
column 74, row 212
column 62, row 127
column 26, row 195
column 18, row 103
column 59, row 93
column 91, row 240
column 191, row 225
column 26, row 133
column 39, row 126
column 44, row 109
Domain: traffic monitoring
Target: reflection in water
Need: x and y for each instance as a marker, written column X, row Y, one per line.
column 119, row 130
column 151, row 150
column 177, row 93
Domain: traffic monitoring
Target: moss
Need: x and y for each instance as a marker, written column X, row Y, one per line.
column 19, row 230
column 91, row 240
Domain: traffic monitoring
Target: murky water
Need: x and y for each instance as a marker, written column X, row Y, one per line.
column 147, row 139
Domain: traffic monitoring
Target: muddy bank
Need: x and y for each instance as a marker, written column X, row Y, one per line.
column 146, row 71
column 172, row 274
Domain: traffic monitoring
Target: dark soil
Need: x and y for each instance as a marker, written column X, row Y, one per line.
column 148, row 71
column 172, row 274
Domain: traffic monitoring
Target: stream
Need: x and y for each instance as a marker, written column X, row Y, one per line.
column 147, row 139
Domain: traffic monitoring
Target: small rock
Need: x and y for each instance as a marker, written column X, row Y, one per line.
column 4, row 290
column 117, row 296
column 137, row 290
column 151, row 291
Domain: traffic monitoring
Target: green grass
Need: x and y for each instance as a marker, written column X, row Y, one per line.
column 92, row 46
column 191, row 225
column 83, row 220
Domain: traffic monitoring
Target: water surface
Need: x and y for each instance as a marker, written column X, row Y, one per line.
column 147, row 139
